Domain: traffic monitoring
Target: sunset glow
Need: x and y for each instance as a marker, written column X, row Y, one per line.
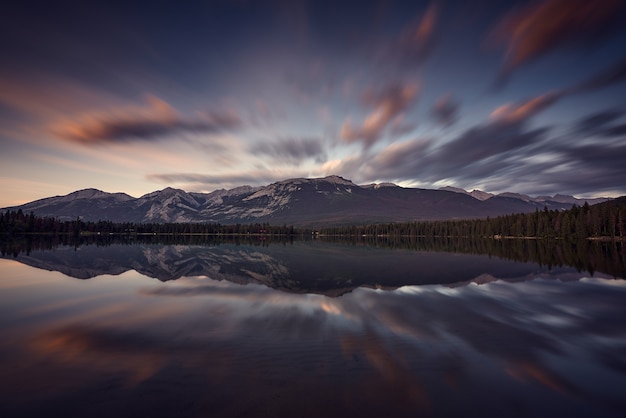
column 218, row 94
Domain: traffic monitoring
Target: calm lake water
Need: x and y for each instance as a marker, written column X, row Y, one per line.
column 309, row 328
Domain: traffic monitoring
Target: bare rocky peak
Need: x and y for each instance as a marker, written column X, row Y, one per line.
column 480, row 195
column 523, row 197
column 94, row 194
column 476, row 194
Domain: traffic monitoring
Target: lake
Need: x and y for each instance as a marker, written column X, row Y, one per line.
column 312, row 328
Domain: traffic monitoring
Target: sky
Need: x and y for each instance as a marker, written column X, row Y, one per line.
column 519, row 96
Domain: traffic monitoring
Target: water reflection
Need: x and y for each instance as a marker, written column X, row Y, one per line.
column 330, row 268
column 250, row 330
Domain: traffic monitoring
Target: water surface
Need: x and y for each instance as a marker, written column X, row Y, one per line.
column 306, row 329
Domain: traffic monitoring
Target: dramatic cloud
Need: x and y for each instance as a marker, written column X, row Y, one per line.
column 418, row 39
column 518, row 112
column 573, row 169
column 398, row 158
column 388, row 104
column 445, row 111
column 200, row 181
column 482, row 151
column 292, row 150
column 525, row 109
column 156, row 120
column 613, row 75
column 542, row 27
column 600, row 123
column 310, row 88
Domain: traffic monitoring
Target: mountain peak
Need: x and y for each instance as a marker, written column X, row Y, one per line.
column 454, row 189
column 337, row 179
column 378, row 185
column 476, row 194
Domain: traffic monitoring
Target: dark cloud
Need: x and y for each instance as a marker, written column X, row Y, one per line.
column 387, row 104
column 446, row 110
column 606, row 158
column 576, row 170
column 483, row 142
column 478, row 153
column 505, row 154
column 612, row 75
column 418, row 39
column 159, row 119
column 616, row 130
column 543, row 27
column 253, row 177
column 397, row 159
column 600, row 123
column 529, row 107
column 292, row 150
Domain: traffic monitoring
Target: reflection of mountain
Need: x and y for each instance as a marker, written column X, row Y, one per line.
column 313, row 267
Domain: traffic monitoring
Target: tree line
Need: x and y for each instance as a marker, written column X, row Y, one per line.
column 607, row 220
column 17, row 222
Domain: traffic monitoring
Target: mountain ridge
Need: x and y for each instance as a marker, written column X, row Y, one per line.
column 331, row 200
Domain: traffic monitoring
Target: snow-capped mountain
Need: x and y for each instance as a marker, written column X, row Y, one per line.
column 557, row 198
column 476, row 194
column 330, row 200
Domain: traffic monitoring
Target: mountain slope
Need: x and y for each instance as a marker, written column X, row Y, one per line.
column 330, row 200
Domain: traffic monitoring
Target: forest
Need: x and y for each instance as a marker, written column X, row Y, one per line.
column 602, row 221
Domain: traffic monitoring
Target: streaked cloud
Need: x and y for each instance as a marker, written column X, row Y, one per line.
column 202, row 181
column 291, row 150
column 446, row 110
column 387, row 104
column 156, row 120
column 600, row 123
column 418, row 39
column 310, row 89
column 614, row 74
column 526, row 108
column 540, row 28
column 518, row 112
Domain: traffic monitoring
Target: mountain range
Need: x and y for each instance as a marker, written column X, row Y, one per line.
column 331, row 200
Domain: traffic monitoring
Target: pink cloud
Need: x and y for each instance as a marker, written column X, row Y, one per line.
column 387, row 104
column 155, row 120
column 518, row 112
column 542, row 27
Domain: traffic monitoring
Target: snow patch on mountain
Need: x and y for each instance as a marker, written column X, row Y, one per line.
column 376, row 186
column 476, row 194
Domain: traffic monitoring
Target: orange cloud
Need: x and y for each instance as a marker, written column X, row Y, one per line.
column 155, row 120
column 542, row 27
column 46, row 98
column 425, row 30
column 518, row 112
column 418, row 38
column 445, row 111
column 388, row 104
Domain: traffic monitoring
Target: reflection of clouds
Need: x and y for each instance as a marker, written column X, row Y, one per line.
column 399, row 381
column 414, row 348
column 131, row 355
column 523, row 370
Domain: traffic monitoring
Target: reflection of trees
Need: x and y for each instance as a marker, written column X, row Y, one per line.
column 584, row 255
